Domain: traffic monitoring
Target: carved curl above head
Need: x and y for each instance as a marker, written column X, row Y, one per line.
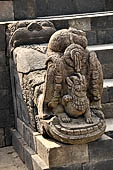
column 60, row 40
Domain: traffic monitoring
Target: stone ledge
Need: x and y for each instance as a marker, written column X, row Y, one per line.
column 101, row 149
column 55, row 154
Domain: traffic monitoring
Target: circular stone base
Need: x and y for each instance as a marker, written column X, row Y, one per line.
column 77, row 131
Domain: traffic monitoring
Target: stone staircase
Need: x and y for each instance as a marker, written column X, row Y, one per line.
column 99, row 29
column 98, row 25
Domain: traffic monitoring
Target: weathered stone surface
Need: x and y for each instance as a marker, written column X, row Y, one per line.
column 9, row 160
column 2, row 59
column 71, row 167
column 60, row 24
column 28, row 152
column 7, row 118
column 18, row 144
column 111, row 94
column 98, row 23
column 20, row 126
column 101, row 165
column 71, row 82
column 91, row 36
column 108, row 110
column 105, row 95
column 38, row 163
column 55, row 154
column 29, row 60
column 109, row 125
column 45, row 8
column 105, row 36
column 6, row 11
column 36, row 77
column 24, row 9
column 8, row 137
column 2, row 137
column 89, row 6
column 2, row 37
column 4, row 79
column 99, row 150
column 30, row 137
column 49, row 7
column 4, row 99
column 81, row 24
column 107, row 71
column 109, row 5
column 105, row 55
column 22, row 111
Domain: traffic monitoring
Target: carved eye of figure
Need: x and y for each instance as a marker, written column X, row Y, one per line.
column 34, row 26
column 45, row 24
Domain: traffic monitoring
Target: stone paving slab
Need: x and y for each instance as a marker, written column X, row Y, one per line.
column 9, row 160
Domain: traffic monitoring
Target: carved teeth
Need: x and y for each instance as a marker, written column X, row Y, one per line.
column 77, row 132
column 69, row 132
column 83, row 131
column 100, row 124
column 95, row 127
column 90, row 129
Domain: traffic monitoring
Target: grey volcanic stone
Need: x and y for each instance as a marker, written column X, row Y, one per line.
column 99, row 23
column 4, row 99
column 99, row 150
column 4, row 79
column 107, row 71
column 2, row 37
column 105, row 36
column 108, row 110
column 54, row 154
column 29, row 60
column 2, row 58
column 101, row 165
column 6, row 119
column 18, row 144
column 109, row 5
column 6, row 11
column 2, row 138
column 8, row 137
column 80, row 23
column 111, row 94
column 28, row 152
column 91, row 36
column 105, row 95
column 90, row 6
column 24, row 9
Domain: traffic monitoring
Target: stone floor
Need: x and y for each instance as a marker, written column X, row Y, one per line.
column 9, row 160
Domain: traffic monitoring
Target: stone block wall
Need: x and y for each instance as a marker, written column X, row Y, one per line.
column 6, row 104
column 26, row 9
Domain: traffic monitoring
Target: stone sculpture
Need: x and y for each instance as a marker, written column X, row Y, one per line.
column 69, row 109
column 27, row 64
column 66, row 102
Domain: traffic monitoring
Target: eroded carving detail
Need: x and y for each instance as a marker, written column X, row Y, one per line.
column 27, row 47
column 70, row 106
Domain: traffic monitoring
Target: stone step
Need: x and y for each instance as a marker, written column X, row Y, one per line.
column 105, row 56
column 107, row 98
column 98, row 26
column 63, row 7
column 52, row 155
column 24, row 9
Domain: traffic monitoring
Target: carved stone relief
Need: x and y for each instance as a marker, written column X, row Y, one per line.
column 70, row 106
